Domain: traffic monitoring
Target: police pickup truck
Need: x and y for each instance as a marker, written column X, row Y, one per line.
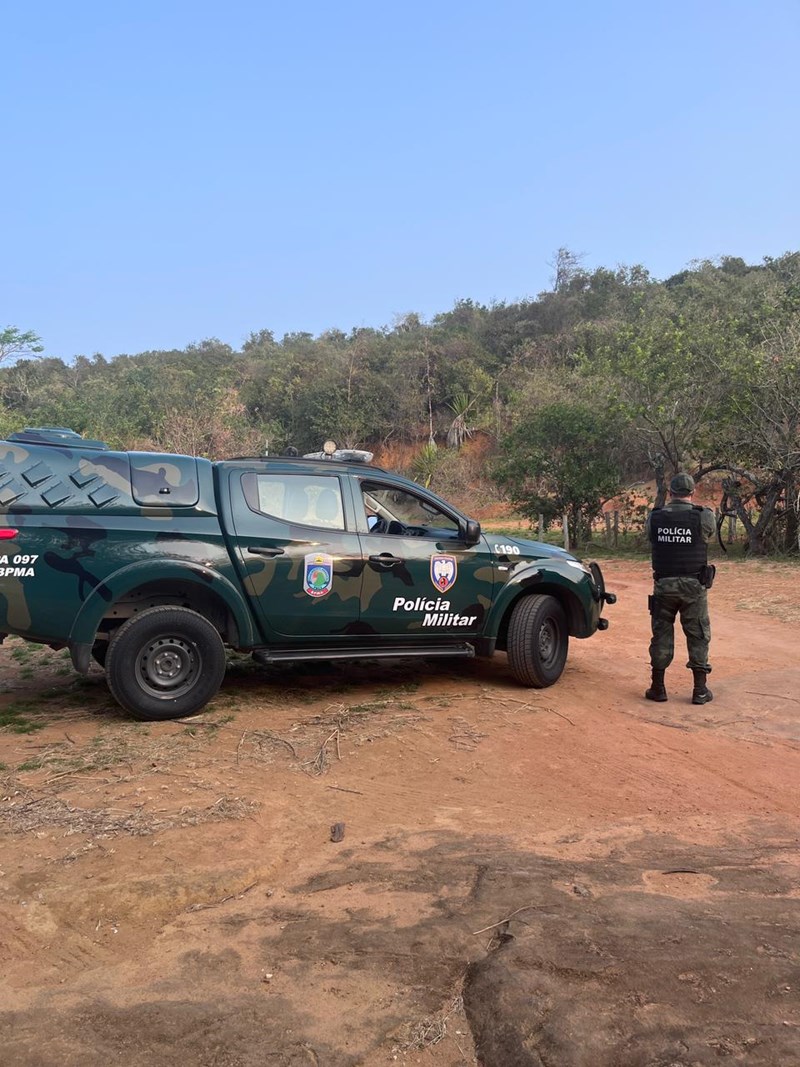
column 153, row 564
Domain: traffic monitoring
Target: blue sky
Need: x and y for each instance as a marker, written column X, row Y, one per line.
column 181, row 170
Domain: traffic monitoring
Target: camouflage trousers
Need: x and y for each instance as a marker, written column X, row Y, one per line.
column 687, row 597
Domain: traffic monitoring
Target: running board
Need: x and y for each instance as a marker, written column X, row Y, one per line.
column 280, row 655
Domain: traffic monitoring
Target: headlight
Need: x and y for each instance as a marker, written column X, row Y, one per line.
column 576, row 563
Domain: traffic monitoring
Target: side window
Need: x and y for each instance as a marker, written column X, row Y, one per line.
column 307, row 500
column 391, row 510
column 163, row 481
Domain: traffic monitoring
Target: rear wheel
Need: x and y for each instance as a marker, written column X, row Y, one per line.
column 538, row 641
column 165, row 663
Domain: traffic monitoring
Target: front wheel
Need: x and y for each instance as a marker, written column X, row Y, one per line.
column 538, row 641
column 165, row 663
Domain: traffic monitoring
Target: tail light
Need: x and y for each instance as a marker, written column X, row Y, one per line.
column 7, row 534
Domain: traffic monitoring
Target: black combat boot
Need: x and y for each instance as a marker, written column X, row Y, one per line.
column 657, row 690
column 701, row 694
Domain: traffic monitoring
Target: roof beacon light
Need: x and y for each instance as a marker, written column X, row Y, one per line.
column 343, row 455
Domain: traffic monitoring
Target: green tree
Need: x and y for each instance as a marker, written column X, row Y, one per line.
column 14, row 343
column 759, row 438
column 663, row 372
column 561, row 459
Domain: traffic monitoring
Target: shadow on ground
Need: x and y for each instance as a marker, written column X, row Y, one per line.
column 654, row 953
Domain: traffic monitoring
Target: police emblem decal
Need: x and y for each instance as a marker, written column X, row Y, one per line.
column 318, row 574
column 444, row 571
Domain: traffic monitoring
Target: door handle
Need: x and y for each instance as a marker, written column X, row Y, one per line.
column 385, row 559
column 260, row 550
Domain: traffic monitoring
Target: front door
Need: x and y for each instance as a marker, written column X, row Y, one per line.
column 420, row 579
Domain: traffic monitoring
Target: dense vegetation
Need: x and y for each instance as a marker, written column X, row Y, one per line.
column 609, row 377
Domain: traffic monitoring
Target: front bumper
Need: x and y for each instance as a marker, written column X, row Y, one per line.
column 601, row 594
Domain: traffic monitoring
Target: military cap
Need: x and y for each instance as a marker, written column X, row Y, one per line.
column 682, row 485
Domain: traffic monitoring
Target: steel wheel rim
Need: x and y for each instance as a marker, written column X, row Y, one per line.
column 548, row 641
column 169, row 666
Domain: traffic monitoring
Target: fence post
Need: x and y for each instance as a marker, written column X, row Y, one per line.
column 607, row 517
column 616, row 529
column 541, row 526
column 565, row 521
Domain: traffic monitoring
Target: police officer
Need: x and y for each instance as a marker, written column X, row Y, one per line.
column 679, row 533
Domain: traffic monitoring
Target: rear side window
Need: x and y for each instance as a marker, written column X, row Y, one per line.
column 307, row 500
column 164, row 481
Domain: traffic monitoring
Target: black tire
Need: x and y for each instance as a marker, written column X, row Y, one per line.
column 165, row 663
column 538, row 641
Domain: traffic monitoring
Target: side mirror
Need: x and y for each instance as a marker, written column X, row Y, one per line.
column 470, row 532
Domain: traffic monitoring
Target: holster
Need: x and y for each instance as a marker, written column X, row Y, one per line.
column 706, row 575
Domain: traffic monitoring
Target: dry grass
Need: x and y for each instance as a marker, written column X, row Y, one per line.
column 464, row 736
column 776, row 606
column 26, row 811
column 126, row 746
column 314, row 743
column 450, row 1021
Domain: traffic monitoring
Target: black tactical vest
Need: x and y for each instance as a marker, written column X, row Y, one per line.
column 677, row 541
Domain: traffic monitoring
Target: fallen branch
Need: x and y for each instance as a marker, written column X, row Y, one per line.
column 778, row 696
column 81, row 777
column 224, row 900
column 554, row 712
column 526, row 907
column 288, row 744
column 319, row 763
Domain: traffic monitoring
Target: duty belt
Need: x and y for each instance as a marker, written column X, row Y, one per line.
column 658, row 577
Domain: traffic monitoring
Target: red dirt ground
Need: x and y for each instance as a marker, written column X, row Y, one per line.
column 563, row 876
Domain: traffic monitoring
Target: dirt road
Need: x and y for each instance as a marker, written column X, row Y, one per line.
column 571, row 876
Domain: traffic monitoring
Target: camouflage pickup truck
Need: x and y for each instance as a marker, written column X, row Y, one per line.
column 152, row 564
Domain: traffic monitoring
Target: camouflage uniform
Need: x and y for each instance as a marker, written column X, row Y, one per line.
column 683, row 596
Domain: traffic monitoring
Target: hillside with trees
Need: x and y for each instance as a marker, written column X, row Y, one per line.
column 610, row 377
